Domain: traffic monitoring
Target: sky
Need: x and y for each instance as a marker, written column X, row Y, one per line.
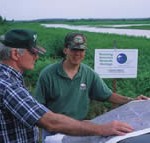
column 73, row 9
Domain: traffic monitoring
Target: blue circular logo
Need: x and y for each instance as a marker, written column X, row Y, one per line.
column 121, row 58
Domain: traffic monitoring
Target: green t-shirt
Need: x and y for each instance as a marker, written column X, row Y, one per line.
column 70, row 96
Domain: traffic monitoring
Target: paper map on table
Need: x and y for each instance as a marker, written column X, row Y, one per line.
column 136, row 113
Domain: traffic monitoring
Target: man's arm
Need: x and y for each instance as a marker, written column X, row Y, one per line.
column 119, row 99
column 63, row 124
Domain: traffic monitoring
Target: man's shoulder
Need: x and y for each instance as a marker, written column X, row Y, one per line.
column 89, row 71
column 50, row 68
column 86, row 67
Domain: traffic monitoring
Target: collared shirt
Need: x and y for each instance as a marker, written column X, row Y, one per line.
column 19, row 111
column 71, row 97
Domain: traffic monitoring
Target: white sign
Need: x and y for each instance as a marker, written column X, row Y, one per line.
column 116, row 63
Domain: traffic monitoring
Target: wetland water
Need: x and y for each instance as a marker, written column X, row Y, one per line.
column 112, row 30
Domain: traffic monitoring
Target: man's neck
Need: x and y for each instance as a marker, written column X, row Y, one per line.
column 12, row 64
column 70, row 69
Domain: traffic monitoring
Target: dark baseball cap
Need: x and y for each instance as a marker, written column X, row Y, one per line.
column 22, row 38
column 75, row 41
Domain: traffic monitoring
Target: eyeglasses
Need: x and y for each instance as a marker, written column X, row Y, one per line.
column 33, row 51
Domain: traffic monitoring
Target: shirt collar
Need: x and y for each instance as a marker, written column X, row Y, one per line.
column 10, row 71
column 62, row 73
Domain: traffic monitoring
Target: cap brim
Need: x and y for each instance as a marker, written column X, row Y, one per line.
column 39, row 50
column 80, row 47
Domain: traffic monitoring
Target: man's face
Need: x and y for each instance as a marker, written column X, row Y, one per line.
column 74, row 56
column 26, row 60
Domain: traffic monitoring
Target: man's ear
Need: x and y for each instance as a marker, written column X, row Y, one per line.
column 65, row 51
column 14, row 54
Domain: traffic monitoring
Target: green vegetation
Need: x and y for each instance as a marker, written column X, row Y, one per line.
column 52, row 39
column 97, row 21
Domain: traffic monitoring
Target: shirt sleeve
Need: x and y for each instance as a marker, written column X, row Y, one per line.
column 23, row 106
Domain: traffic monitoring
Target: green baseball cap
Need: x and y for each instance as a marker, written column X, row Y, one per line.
column 22, row 38
column 75, row 41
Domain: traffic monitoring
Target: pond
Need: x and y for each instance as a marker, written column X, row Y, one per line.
column 129, row 32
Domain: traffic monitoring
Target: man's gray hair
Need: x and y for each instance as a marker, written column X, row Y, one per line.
column 5, row 52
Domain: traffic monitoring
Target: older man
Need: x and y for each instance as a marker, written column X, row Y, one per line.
column 20, row 113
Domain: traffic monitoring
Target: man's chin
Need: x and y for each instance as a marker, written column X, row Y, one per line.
column 76, row 62
column 30, row 68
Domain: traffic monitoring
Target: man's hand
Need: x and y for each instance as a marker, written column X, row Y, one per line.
column 142, row 97
column 116, row 128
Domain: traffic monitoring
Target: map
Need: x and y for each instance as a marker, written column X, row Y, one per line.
column 135, row 113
